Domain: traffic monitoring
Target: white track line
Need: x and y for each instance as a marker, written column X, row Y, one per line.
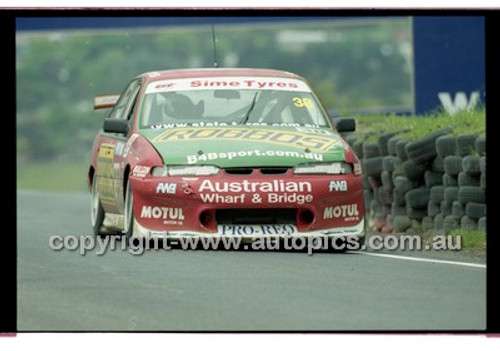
column 419, row 259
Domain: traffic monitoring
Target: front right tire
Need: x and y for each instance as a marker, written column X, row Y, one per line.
column 96, row 210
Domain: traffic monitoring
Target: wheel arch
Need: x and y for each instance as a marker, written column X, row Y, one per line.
column 90, row 176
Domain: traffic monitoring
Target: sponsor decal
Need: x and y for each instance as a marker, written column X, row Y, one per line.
column 349, row 212
column 263, row 229
column 116, row 170
column 303, row 128
column 286, row 138
column 119, row 148
column 140, row 171
column 105, row 159
column 196, row 124
column 129, row 143
column 272, row 198
column 106, row 190
column 252, row 187
column 313, row 128
column 289, row 198
column 105, row 170
column 166, row 188
column 106, row 151
column 260, row 83
column 171, row 215
column 338, row 185
column 275, row 192
column 223, row 199
column 187, row 189
column 192, row 159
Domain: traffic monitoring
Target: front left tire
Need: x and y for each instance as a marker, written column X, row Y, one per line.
column 128, row 213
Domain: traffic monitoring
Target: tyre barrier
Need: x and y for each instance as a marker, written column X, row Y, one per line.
column 446, row 145
column 466, row 144
column 438, row 164
column 436, row 183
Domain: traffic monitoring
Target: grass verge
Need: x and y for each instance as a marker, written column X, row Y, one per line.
column 416, row 127
column 472, row 240
column 52, row 176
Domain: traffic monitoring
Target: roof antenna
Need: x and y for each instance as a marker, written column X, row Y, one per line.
column 215, row 47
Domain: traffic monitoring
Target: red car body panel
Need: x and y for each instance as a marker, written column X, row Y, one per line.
column 193, row 206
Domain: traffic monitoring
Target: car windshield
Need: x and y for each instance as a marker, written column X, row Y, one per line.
column 229, row 106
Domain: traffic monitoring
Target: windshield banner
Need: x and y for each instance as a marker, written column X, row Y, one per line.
column 236, row 83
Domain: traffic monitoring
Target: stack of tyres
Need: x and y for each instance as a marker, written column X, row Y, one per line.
column 434, row 183
column 372, row 166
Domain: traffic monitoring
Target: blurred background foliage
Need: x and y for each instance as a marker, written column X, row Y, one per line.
column 354, row 65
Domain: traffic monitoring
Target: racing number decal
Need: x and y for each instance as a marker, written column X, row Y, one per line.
column 105, row 171
column 302, row 102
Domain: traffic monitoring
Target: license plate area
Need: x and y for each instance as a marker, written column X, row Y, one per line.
column 257, row 229
column 256, row 216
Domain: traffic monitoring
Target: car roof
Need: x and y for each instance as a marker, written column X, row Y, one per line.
column 217, row 72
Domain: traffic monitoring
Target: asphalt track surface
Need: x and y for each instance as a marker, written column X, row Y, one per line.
column 198, row 290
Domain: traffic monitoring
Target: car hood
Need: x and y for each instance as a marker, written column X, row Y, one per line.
column 246, row 146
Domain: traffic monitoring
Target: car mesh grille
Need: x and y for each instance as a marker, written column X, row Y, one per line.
column 274, row 170
column 250, row 170
column 256, row 216
column 239, row 171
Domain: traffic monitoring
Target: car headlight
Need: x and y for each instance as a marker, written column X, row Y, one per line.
column 173, row 171
column 357, row 168
column 323, row 168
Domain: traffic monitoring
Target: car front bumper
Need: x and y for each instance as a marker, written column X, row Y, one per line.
column 249, row 206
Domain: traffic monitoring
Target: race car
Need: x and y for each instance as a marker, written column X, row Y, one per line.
column 223, row 152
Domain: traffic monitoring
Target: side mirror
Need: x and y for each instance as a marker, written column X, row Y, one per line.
column 345, row 125
column 115, row 125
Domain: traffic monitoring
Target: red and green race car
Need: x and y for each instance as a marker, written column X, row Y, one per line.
column 223, row 152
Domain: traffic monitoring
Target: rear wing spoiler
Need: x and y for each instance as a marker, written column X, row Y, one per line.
column 105, row 101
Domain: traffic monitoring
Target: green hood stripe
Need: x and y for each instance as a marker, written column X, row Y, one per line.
column 245, row 146
column 316, row 143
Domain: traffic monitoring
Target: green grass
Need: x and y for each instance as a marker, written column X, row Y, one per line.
column 415, row 127
column 53, row 176
column 473, row 240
